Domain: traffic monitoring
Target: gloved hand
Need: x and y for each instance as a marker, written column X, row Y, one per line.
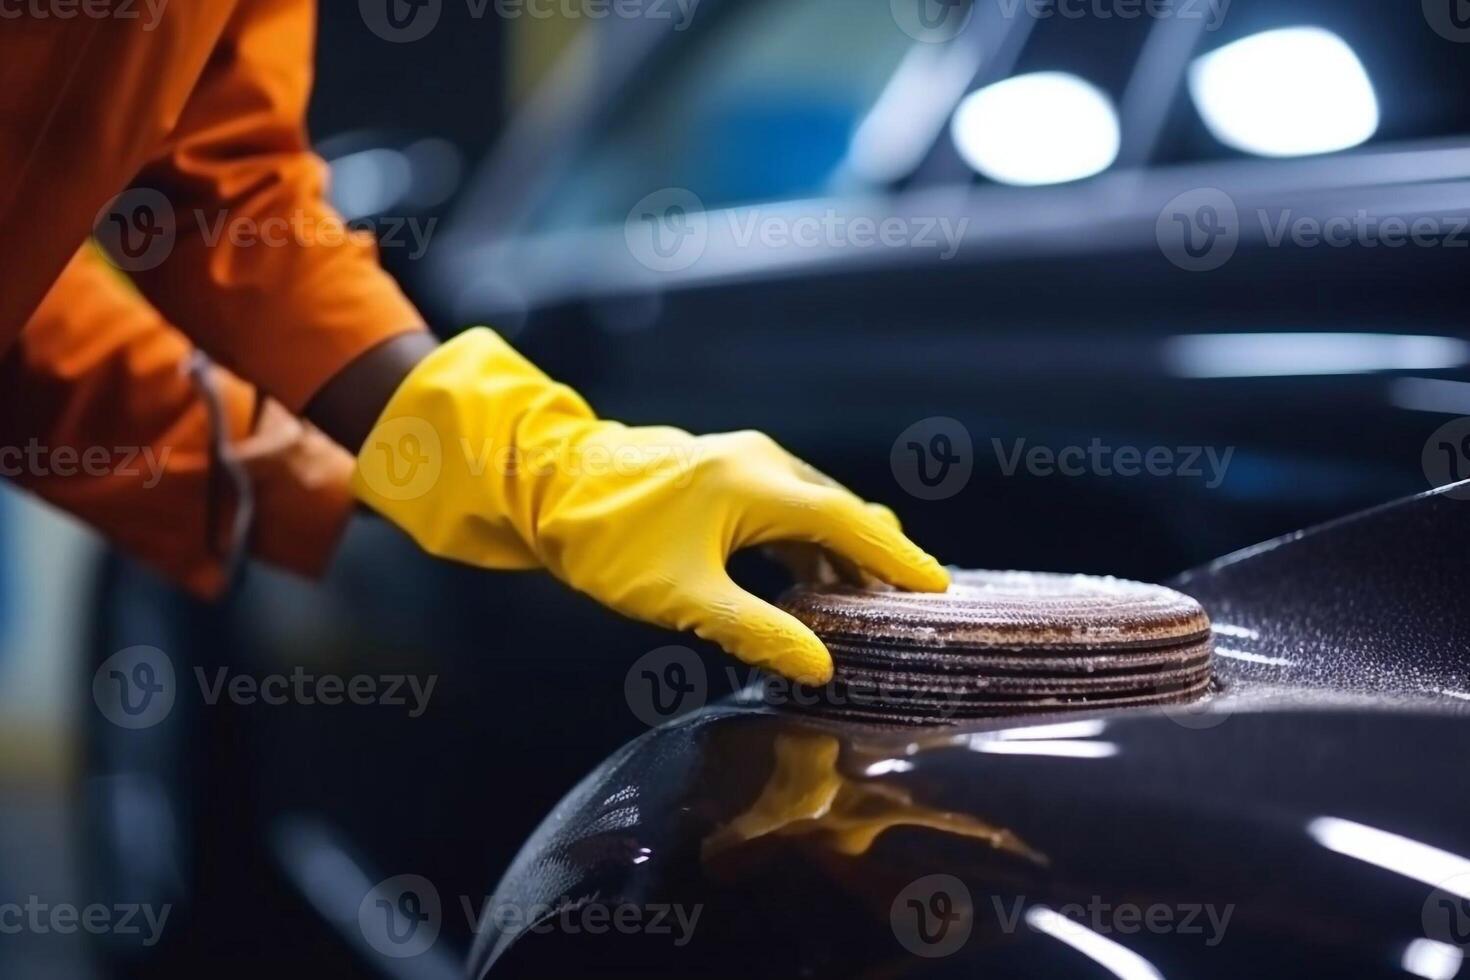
column 482, row 458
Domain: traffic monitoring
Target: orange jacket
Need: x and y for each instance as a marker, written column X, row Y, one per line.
column 199, row 108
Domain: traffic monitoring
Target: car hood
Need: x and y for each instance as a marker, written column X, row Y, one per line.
column 1309, row 818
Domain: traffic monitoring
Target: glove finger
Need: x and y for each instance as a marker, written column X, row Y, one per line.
column 760, row 634
column 810, row 474
column 886, row 515
column 806, row 471
column 850, row 528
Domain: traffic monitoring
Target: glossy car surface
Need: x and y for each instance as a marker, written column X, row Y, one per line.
column 1304, row 821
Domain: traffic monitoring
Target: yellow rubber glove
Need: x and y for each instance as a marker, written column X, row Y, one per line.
column 482, row 458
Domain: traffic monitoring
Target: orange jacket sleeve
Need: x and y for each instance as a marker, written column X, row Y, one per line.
column 98, row 416
column 263, row 273
column 202, row 103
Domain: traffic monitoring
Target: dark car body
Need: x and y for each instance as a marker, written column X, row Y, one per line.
column 1302, row 821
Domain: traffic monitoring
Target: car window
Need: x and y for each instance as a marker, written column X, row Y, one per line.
column 760, row 104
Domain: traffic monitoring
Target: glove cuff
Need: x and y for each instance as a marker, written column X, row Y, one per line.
column 444, row 460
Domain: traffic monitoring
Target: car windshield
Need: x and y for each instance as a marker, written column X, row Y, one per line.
column 773, row 100
column 760, row 106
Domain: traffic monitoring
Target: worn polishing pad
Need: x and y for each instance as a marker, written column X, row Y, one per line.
column 1003, row 643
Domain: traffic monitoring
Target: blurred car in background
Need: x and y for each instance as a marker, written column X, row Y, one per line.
column 908, row 240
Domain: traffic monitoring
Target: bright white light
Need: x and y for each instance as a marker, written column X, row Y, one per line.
column 885, row 766
column 1439, row 395
column 1118, row 960
column 1043, row 128
column 1056, row 747
column 1432, row 960
column 1264, row 355
column 1438, row 869
column 1252, row 658
column 1064, row 729
column 1285, row 93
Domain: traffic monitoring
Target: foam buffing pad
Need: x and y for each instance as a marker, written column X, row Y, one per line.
column 1004, row 643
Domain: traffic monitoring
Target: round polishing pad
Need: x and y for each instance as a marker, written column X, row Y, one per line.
column 1004, row 643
